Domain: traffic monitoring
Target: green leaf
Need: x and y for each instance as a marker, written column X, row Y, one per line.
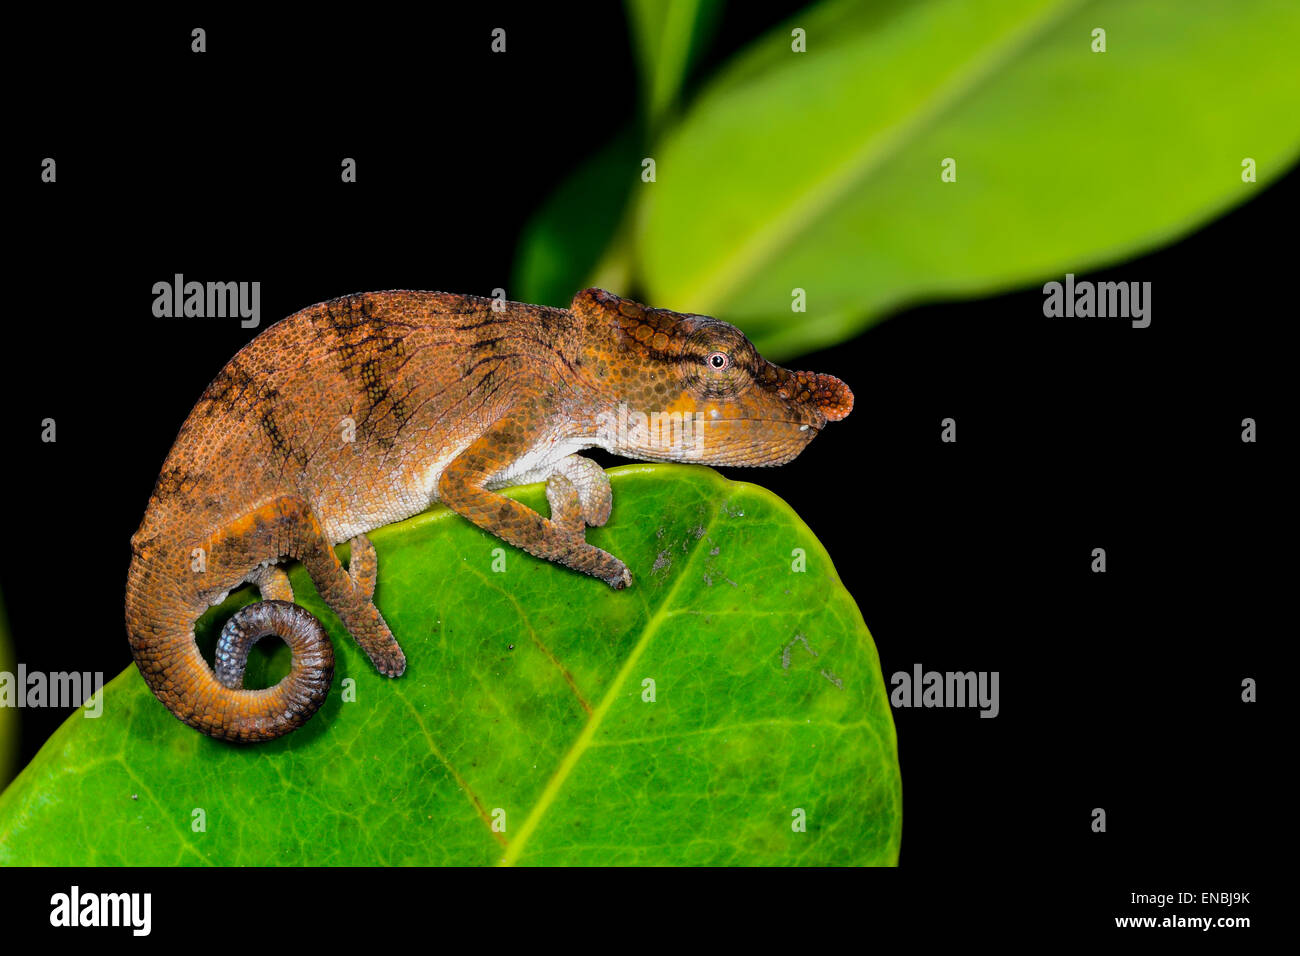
column 821, row 170
column 580, row 235
column 524, row 694
column 667, row 36
column 560, row 246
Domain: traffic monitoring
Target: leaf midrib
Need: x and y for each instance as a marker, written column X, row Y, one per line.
column 582, row 743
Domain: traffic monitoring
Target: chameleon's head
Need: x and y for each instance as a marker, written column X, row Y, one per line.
column 681, row 387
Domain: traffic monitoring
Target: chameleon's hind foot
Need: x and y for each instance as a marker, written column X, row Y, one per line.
column 363, row 619
column 368, row 627
column 389, row 662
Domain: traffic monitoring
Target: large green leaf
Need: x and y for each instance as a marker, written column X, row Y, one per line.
column 524, row 693
column 821, row 170
column 579, row 236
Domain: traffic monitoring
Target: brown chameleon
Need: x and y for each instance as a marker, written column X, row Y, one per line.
column 364, row 410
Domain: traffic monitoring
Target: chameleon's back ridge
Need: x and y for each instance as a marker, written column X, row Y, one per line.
column 364, row 410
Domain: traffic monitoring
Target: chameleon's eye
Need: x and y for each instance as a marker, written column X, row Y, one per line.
column 718, row 361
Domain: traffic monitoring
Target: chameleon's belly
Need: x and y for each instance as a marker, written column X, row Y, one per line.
column 360, row 503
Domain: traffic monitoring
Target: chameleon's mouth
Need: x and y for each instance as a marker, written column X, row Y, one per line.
column 753, row 441
column 799, row 423
column 749, row 441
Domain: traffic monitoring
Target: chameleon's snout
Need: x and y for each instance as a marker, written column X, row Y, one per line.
column 826, row 392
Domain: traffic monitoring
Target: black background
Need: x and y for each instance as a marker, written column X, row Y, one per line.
column 1119, row 690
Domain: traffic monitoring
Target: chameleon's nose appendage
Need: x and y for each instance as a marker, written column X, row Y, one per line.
column 827, row 392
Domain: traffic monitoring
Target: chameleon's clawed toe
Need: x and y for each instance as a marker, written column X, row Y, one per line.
column 621, row 578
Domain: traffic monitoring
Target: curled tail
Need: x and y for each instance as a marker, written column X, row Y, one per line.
column 161, row 631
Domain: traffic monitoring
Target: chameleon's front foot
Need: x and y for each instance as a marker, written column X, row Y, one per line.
column 577, row 490
column 595, row 498
column 617, row 575
column 579, row 495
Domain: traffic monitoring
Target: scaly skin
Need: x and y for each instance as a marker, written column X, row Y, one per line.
column 448, row 400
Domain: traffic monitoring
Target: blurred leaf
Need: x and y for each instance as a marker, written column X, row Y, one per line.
column 820, row 170
column 524, row 693
column 8, row 715
column 581, row 235
column 562, row 243
column 667, row 36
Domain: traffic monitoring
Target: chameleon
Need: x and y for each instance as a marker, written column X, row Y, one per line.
column 361, row 411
